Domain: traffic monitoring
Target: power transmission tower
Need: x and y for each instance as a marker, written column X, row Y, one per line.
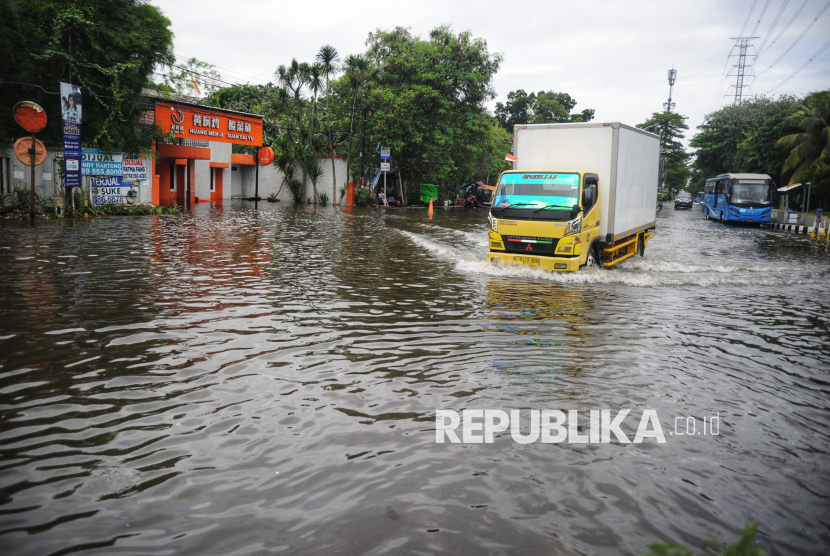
column 741, row 69
column 669, row 106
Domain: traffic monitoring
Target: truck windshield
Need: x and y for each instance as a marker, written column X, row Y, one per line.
column 537, row 190
column 750, row 192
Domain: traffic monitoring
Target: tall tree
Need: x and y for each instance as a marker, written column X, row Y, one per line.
column 810, row 148
column 539, row 108
column 116, row 44
column 670, row 127
column 716, row 143
column 328, row 60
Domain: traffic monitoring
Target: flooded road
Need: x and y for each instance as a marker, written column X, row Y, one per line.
column 237, row 382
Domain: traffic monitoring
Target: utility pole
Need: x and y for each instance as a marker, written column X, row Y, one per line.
column 741, row 69
column 669, row 106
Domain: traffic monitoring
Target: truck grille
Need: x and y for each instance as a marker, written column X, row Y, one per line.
column 541, row 245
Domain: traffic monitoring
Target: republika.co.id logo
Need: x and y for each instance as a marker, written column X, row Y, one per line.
column 551, row 426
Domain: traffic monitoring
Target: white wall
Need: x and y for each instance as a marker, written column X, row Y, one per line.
column 270, row 180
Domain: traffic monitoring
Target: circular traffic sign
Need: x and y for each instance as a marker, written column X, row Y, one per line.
column 266, row 156
column 29, row 116
column 22, row 148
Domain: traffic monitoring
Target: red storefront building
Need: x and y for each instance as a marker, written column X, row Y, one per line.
column 195, row 160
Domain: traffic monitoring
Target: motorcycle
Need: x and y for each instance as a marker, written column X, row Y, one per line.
column 659, row 206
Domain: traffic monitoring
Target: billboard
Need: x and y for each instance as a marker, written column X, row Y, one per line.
column 98, row 162
column 113, row 190
column 71, row 128
column 187, row 122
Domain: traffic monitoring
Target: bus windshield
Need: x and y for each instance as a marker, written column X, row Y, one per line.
column 750, row 192
column 537, row 190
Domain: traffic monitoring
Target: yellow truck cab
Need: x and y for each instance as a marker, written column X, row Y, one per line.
column 583, row 194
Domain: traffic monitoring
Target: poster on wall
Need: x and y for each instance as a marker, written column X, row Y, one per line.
column 135, row 170
column 113, row 190
column 98, row 162
column 71, row 129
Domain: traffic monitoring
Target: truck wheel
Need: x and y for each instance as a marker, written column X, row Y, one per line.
column 641, row 246
column 592, row 261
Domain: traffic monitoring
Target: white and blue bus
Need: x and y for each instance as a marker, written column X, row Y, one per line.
column 738, row 198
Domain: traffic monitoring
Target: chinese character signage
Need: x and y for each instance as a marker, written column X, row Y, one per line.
column 203, row 123
column 98, row 162
column 71, row 128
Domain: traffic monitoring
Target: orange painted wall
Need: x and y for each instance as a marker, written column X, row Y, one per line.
column 218, row 176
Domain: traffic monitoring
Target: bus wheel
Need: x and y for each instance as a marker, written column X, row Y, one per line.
column 706, row 213
column 721, row 217
column 641, row 246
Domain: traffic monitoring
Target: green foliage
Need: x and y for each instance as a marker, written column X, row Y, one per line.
column 539, row 108
column 820, row 180
column 722, row 131
column 670, row 127
column 364, row 195
column 324, row 199
column 295, row 186
column 425, row 99
column 115, row 46
column 745, row 546
column 809, row 147
column 759, row 153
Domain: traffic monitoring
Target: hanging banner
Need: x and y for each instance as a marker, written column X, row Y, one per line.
column 134, row 170
column 113, row 190
column 71, row 127
column 98, row 162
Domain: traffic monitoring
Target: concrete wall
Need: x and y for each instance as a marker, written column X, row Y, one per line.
column 270, row 180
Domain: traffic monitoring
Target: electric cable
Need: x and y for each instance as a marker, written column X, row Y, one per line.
column 827, row 5
column 760, row 17
column 772, row 27
column 816, row 55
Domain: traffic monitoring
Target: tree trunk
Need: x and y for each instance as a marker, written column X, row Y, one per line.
column 331, row 145
column 313, row 150
column 351, row 136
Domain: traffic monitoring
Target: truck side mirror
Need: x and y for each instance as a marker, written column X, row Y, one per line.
column 588, row 198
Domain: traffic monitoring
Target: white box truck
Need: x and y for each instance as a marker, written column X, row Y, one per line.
column 580, row 194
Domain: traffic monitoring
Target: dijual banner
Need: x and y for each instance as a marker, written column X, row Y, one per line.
column 98, row 162
column 71, row 127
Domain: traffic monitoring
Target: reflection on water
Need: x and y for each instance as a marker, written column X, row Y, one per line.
column 236, row 382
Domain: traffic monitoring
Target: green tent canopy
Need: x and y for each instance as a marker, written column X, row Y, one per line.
column 428, row 191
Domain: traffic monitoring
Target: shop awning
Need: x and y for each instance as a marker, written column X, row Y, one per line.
column 785, row 189
column 219, row 165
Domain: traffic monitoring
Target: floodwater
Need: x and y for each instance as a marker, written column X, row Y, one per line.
column 236, row 382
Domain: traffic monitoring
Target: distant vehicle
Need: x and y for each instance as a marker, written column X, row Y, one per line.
column 683, row 201
column 738, row 198
column 482, row 193
column 699, row 198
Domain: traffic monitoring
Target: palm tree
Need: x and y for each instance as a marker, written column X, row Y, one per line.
column 314, row 80
column 328, row 60
column 293, row 78
column 811, row 148
column 357, row 68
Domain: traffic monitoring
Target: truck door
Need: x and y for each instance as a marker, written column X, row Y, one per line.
column 591, row 211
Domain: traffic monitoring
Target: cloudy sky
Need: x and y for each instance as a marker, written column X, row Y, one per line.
column 612, row 56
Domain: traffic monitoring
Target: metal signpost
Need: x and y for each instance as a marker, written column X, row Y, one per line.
column 32, row 118
column 385, row 166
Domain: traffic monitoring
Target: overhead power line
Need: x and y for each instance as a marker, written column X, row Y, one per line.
column 760, row 17
column 813, row 57
column 827, row 5
column 718, row 97
column 772, row 27
column 787, row 26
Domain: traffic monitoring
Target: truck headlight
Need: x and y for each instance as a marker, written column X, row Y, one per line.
column 494, row 222
column 573, row 226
